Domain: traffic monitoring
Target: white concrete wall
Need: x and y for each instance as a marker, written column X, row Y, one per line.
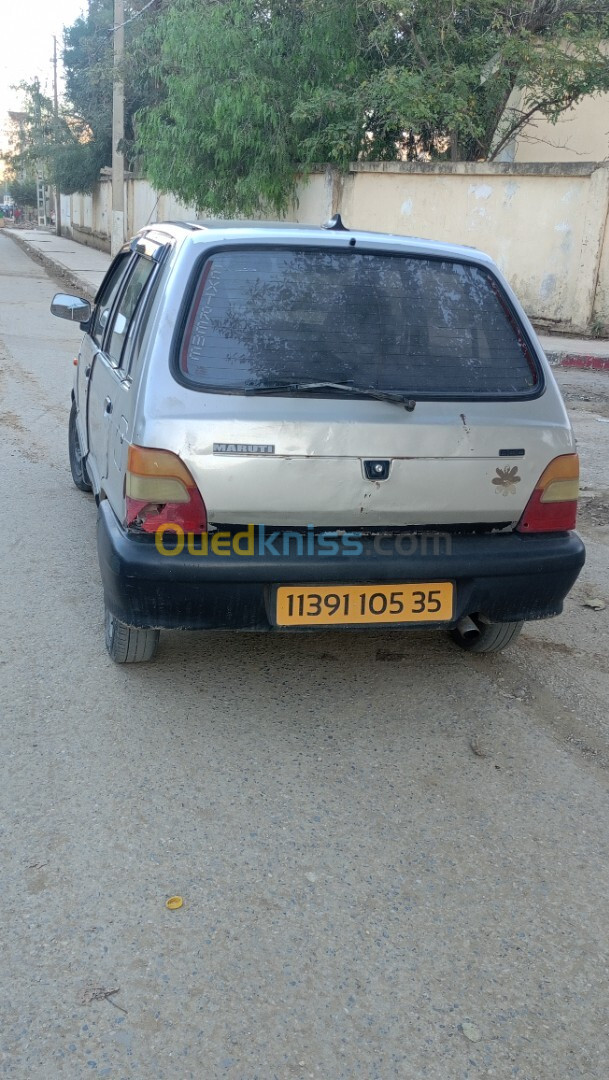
column 545, row 225
column 66, row 212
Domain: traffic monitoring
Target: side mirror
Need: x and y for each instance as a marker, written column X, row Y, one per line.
column 73, row 308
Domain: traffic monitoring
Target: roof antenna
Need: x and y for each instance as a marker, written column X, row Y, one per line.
column 335, row 224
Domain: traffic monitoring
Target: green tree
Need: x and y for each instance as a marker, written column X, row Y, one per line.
column 73, row 149
column 225, row 135
column 253, row 92
column 59, row 147
column 88, row 59
column 87, row 62
column 24, row 192
column 448, row 67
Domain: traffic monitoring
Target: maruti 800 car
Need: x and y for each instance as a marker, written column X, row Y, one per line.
column 295, row 428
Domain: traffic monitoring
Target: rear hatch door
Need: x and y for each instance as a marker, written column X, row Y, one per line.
column 265, row 323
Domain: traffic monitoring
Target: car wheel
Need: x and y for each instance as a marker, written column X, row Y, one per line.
column 479, row 636
column 129, row 644
column 78, row 468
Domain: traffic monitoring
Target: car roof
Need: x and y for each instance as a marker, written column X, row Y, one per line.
column 253, row 230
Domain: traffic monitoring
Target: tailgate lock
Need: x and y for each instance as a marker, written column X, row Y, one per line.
column 377, row 470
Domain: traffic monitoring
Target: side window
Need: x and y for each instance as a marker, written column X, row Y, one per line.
column 127, row 305
column 138, row 326
column 107, row 293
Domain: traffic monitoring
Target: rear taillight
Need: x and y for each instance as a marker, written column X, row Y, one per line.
column 159, row 489
column 553, row 504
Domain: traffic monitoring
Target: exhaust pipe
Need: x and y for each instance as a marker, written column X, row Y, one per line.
column 467, row 627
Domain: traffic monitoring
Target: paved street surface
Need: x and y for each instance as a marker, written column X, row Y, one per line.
column 393, row 856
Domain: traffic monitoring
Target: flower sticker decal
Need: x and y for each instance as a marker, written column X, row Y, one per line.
column 506, row 479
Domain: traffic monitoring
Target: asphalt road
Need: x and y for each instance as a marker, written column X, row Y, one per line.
column 393, row 856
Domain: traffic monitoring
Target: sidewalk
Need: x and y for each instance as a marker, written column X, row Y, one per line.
column 83, row 268
column 563, row 351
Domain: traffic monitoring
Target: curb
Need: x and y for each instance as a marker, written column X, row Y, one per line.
column 55, row 269
column 583, row 361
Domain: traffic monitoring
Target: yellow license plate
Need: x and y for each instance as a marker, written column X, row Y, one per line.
column 343, row 605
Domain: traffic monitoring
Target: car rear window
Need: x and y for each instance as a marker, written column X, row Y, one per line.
column 435, row 327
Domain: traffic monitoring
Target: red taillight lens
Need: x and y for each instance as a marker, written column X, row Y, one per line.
column 553, row 504
column 159, row 489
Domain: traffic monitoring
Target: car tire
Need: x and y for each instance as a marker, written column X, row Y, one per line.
column 78, row 468
column 486, row 637
column 129, row 644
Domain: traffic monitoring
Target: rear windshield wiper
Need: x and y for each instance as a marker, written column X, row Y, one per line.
column 395, row 397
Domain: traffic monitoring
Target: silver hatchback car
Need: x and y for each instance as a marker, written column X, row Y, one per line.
column 291, row 428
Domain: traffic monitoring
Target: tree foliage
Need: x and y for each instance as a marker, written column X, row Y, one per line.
column 227, row 101
column 88, row 66
column 252, row 92
column 73, row 149
column 24, row 192
column 88, row 59
column 226, row 135
column 57, row 147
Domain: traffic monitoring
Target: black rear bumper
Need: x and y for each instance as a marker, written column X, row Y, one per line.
column 506, row 577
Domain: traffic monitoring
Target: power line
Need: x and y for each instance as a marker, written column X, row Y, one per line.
column 119, row 26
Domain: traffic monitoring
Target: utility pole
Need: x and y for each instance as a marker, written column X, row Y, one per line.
column 41, row 184
column 118, row 130
column 56, row 125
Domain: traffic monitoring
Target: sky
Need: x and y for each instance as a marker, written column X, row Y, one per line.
column 26, row 46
